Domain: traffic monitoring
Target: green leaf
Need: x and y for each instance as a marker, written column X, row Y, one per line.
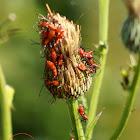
column 92, row 124
column 10, row 92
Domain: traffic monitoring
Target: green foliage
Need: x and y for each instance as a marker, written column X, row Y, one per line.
column 92, row 125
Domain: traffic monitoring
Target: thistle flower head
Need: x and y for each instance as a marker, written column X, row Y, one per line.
column 130, row 32
column 66, row 73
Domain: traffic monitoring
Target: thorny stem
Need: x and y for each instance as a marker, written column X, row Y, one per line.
column 76, row 122
column 5, row 109
column 129, row 103
column 103, row 36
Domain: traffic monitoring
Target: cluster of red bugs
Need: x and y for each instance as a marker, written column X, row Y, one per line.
column 58, row 62
column 51, row 33
column 88, row 57
column 82, row 113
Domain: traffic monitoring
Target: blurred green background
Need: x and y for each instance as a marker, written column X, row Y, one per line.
column 23, row 70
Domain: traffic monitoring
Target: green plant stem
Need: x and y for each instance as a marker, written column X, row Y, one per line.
column 76, row 122
column 129, row 103
column 103, row 20
column 103, row 36
column 5, row 109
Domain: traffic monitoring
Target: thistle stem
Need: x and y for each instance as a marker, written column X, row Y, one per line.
column 103, row 20
column 76, row 122
column 5, row 109
column 129, row 103
column 103, row 35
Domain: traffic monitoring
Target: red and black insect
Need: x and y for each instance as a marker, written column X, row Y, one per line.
column 82, row 113
column 85, row 117
column 54, row 31
column 82, row 67
column 60, row 60
column 81, row 109
column 82, row 52
column 45, row 34
column 53, row 55
column 92, row 64
column 85, row 54
column 52, row 66
column 54, row 82
column 88, row 54
column 50, row 36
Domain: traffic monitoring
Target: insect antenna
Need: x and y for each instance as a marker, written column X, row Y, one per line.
column 41, row 89
column 34, row 42
column 98, row 73
column 82, row 15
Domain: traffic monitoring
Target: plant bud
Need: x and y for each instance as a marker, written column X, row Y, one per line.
column 130, row 33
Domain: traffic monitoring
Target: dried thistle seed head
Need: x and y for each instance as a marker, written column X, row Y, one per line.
column 60, row 41
column 130, row 33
